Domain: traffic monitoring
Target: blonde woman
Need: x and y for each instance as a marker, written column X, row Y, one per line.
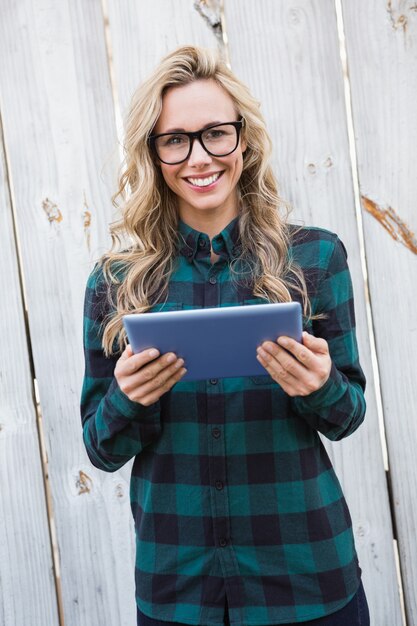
column 239, row 516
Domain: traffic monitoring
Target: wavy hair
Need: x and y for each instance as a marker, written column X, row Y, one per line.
column 145, row 239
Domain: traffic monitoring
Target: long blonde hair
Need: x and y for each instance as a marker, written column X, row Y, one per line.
column 144, row 239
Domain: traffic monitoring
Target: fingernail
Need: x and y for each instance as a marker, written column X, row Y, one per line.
column 171, row 358
column 153, row 352
column 179, row 363
column 261, row 352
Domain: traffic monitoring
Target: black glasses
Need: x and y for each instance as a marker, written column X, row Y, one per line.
column 218, row 140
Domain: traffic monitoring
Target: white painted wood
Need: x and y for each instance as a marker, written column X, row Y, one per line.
column 60, row 135
column 143, row 32
column 27, row 585
column 59, row 122
column 382, row 59
column 287, row 52
column 59, row 125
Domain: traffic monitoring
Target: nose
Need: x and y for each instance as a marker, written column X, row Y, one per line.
column 198, row 156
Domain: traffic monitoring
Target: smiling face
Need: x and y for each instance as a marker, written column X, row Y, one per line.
column 206, row 186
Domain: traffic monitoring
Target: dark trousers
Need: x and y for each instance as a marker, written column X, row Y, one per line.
column 355, row 613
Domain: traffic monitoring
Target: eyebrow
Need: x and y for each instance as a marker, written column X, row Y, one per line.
column 182, row 130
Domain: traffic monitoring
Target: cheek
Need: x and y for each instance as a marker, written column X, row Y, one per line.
column 168, row 173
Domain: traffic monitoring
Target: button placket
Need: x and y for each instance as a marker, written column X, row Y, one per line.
column 218, row 471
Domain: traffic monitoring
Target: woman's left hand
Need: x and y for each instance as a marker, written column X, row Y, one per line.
column 299, row 368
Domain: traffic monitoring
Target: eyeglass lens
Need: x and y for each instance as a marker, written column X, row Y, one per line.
column 218, row 141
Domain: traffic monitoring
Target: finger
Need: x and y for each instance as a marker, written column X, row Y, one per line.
column 139, row 360
column 289, row 383
column 153, row 369
column 316, row 344
column 285, row 372
column 150, row 377
column 286, row 360
column 152, row 397
column 283, row 378
column 302, row 353
column 273, row 365
column 161, row 377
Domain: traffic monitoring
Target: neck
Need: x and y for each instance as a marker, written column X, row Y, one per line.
column 210, row 223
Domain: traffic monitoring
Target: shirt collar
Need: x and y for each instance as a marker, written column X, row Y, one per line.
column 226, row 243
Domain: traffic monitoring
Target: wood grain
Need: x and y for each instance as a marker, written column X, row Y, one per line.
column 59, row 125
column 288, row 53
column 59, row 119
column 59, row 114
column 142, row 33
column 382, row 59
column 27, row 586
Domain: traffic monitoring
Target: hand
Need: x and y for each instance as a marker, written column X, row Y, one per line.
column 300, row 369
column 144, row 378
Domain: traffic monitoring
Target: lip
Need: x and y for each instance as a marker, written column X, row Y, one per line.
column 208, row 187
column 205, row 175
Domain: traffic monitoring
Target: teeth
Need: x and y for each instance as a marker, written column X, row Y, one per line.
column 204, row 182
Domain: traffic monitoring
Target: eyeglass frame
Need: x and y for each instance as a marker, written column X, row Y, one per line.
column 192, row 136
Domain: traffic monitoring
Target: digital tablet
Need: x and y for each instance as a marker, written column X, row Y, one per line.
column 216, row 342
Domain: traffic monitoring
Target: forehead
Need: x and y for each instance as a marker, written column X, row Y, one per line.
column 192, row 106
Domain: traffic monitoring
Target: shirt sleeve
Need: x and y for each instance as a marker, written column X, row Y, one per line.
column 338, row 408
column 115, row 428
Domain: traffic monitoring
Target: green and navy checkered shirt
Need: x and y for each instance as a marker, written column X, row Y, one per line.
column 232, row 492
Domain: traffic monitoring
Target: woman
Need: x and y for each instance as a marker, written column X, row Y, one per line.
column 239, row 515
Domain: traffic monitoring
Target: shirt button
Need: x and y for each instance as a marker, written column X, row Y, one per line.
column 223, row 542
column 219, row 485
column 212, row 280
column 202, row 243
column 213, row 381
column 216, row 433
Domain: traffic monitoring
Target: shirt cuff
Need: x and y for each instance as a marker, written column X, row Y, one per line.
column 332, row 390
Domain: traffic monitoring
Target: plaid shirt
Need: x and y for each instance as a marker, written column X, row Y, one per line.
column 232, row 491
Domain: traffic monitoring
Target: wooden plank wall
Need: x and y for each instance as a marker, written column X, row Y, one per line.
column 60, row 135
column 293, row 66
column 27, row 587
column 58, row 111
column 382, row 54
column 59, row 132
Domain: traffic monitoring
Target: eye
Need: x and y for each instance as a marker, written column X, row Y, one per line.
column 214, row 133
column 173, row 140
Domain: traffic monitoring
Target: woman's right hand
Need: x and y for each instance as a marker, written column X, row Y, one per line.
column 144, row 377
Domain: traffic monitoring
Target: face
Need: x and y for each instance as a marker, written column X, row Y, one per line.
column 206, row 186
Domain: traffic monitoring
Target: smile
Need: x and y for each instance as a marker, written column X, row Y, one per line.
column 204, row 182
